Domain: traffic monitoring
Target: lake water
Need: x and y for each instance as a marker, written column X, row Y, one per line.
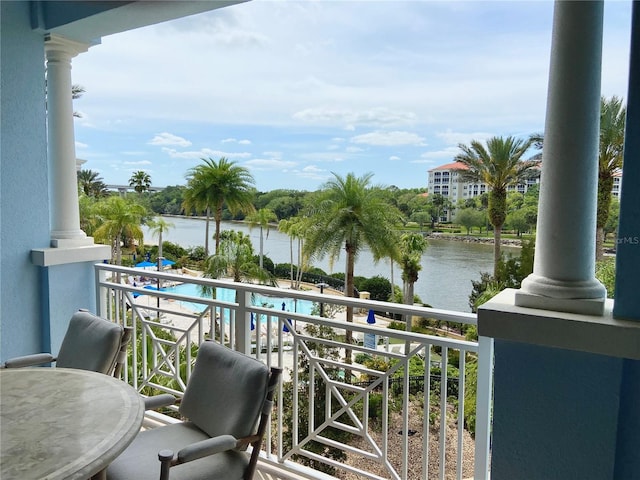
column 444, row 281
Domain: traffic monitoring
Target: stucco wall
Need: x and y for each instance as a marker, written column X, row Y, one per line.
column 558, row 415
column 24, row 203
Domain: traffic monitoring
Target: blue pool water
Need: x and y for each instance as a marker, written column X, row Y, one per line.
column 227, row 295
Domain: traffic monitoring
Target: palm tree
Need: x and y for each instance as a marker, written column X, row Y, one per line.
column 236, row 260
column 213, row 184
column 499, row 165
column 351, row 215
column 295, row 227
column 157, row 227
column 76, row 92
column 261, row 219
column 612, row 123
column 120, row 220
column 91, row 184
column 140, row 181
column 412, row 246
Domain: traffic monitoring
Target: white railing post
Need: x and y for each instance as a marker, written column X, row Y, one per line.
column 243, row 322
column 484, row 401
column 101, row 293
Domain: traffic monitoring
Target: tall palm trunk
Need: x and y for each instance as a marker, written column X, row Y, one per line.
column 300, row 266
column 497, row 216
column 218, row 218
column 348, row 292
column 261, row 247
column 497, row 233
column 408, row 299
column 206, row 233
column 605, row 185
column 291, row 255
column 393, row 290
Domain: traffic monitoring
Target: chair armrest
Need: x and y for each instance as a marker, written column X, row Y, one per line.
column 207, row 447
column 157, row 401
column 30, row 360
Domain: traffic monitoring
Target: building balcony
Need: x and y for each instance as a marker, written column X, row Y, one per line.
column 370, row 420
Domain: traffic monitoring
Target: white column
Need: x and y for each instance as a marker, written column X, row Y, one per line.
column 563, row 276
column 63, row 187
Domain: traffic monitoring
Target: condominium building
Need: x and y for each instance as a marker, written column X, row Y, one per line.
column 447, row 180
column 617, row 184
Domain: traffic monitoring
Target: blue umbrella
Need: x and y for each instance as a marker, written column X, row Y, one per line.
column 371, row 317
column 151, row 287
column 284, row 325
column 145, row 264
column 166, row 262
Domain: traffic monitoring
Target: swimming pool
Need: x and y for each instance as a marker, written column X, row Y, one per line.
column 228, row 295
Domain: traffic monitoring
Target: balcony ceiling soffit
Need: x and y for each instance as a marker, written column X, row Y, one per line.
column 88, row 21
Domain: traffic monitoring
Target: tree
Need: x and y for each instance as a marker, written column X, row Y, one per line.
column 518, row 220
column 350, row 215
column 412, row 246
column 498, row 166
column 140, row 181
column 295, row 228
column 235, row 259
column 437, row 203
column 213, row 184
column 157, row 227
column 614, row 215
column 379, row 288
column 76, row 92
column 612, row 123
column 91, row 184
column 120, row 220
column 262, row 218
column 469, row 218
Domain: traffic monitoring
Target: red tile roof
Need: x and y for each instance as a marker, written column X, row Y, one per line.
column 451, row 166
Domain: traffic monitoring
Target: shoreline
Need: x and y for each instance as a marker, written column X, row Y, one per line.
column 509, row 242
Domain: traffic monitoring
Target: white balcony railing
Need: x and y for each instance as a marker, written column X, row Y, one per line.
column 369, row 417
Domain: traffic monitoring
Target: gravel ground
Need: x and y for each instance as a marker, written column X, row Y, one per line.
column 415, row 450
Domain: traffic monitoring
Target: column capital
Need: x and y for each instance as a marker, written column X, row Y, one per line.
column 56, row 43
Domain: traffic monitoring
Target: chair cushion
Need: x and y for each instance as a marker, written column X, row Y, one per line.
column 140, row 460
column 91, row 343
column 225, row 392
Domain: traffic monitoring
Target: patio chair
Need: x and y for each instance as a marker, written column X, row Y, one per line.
column 226, row 406
column 90, row 343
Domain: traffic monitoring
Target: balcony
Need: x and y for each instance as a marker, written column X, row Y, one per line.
column 369, row 418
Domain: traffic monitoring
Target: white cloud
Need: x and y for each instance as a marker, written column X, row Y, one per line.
column 379, row 116
column 274, row 154
column 354, row 149
column 169, row 139
column 204, row 153
column 394, row 158
column 233, row 140
column 445, row 155
column 141, row 162
column 388, row 138
column 312, row 172
column 81, row 145
column 454, row 138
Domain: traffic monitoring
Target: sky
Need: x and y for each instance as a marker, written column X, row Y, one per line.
column 296, row 91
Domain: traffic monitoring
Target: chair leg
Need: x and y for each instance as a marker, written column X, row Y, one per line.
column 166, row 458
column 101, row 475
